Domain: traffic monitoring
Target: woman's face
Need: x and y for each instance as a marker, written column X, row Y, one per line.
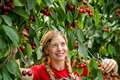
column 57, row 48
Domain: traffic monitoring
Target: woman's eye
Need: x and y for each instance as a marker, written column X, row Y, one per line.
column 54, row 45
column 62, row 44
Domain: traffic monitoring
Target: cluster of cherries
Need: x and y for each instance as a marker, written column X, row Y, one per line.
column 45, row 11
column 26, row 72
column 6, row 6
column 86, row 9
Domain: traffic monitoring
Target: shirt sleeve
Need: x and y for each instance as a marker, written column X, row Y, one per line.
column 35, row 71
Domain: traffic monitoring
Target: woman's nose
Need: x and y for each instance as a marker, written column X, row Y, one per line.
column 59, row 47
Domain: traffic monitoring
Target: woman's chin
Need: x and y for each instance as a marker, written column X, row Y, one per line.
column 60, row 58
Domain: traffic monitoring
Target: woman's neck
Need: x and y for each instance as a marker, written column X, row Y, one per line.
column 58, row 65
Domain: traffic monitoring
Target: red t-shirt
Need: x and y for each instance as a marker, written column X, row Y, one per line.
column 40, row 73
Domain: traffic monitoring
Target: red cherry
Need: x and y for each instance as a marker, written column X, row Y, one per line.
column 29, row 73
column 76, row 73
column 83, row 65
column 85, row 71
column 81, row 10
column 32, row 18
column 24, row 72
column 33, row 45
column 76, row 45
column 90, row 14
column 70, row 7
column 46, row 12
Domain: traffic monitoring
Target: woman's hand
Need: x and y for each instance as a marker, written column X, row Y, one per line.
column 109, row 65
column 26, row 74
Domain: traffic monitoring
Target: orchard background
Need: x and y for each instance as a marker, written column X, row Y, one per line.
column 92, row 28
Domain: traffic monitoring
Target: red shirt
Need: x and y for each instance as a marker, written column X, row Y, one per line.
column 40, row 73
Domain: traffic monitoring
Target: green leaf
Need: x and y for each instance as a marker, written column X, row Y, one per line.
column 39, row 53
column 4, row 53
column 100, row 77
column 31, row 4
column 0, row 76
column 2, row 44
column 71, row 39
column 6, row 75
column 21, row 12
column 0, row 20
column 17, row 3
column 7, row 20
column 92, row 65
column 110, row 49
column 39, row 2
column 11, row 34
column 97, row 18
column 12, row 67
column 28, row 49
column 83, row 50
column 105, row 35
column 79, row 34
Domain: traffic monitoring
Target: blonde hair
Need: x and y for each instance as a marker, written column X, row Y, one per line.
column 44, row 43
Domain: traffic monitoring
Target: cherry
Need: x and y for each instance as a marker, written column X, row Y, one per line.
column 82, row 10
column 29, row 73
column 81, row 65
column 85, row 71
column 33, row 45
column 70, row 7
column 106, row 29
column 76, row 45
column 21, row 48
column 32, row 18
column 24, row 72
column 117, row 12
column 46, row 12
column 90, row 14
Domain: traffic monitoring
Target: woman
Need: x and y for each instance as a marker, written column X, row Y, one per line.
column 56, row 64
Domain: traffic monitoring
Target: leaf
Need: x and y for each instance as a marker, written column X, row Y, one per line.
column 110, row 50
column 97, row 18
column 92, row 65
column 12, row 67
column 31, row 4
column 83, row 50
column 39, row 53
column 71, row 39
column 0, row 76
column 39, row 2
column 17, row 3
column 0, row 20
column 11, row 34
column 28, row 50
column 2, row 44
column 21, row 12
column 100, row 77
column 5, row 74
column 7, row 20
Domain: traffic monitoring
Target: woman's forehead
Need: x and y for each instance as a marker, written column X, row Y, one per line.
column 58, row 38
